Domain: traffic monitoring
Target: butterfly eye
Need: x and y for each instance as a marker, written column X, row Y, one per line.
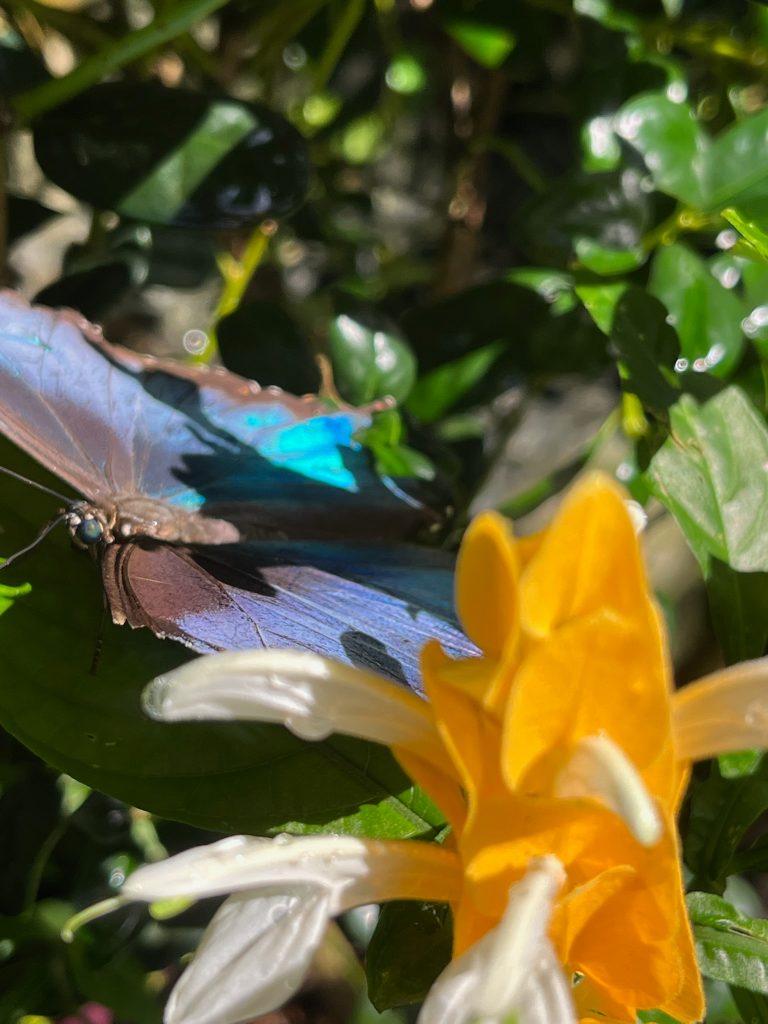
column 89, row 531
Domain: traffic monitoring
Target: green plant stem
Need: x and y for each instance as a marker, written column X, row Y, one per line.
column 237, row 274
column 349, row 14
column 165, row 26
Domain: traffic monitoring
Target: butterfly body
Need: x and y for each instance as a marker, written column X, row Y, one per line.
column 127, row 517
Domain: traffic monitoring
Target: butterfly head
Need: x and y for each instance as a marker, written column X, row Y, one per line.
column 87, row 524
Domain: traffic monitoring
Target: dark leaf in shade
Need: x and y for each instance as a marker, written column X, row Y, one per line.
column 172, row 156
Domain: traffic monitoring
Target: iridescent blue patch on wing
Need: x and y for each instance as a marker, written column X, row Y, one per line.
column 312, row 448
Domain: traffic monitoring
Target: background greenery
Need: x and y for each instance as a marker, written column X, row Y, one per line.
column 542, row 225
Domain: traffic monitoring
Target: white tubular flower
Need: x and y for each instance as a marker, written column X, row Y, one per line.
column 725, row 711
column 598, row 769
column 261, row 941
column 512, row 972
column 311, row 695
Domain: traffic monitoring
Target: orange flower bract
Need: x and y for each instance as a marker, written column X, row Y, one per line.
column 573, row 648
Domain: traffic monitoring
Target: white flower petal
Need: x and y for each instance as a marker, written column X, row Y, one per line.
column 598, row 769
column 351, row 871
column 547, row 996
column 311, row 695
column 723, row 712
column 254, row 955
column 512, row 970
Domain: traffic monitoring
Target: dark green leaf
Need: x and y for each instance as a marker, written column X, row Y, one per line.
column 229, row 777
column 599, row 218
column 410, row 947
column 711, row 475
column 673, row 146
column 436, row 392
column 730, row 946
column 647, row 346
column 706, row 315
column 371, row 359
column 261, row 341
column 752, row 1006
column 739, row 603
column 172, row 156
column 721, row 811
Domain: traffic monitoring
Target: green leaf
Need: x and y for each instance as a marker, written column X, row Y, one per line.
column 646, row 345
column 752, row 231
column 739, row 603
column 173, row 156
column 600, row 218
column 706, row 315
column 730, row 946
column 489, row 45
column 410, row 947
column 601, row 300
column 232, row 777
column 371, row 359
column 721, row 811
column 603, row 259
column 737, row 164
column 711, row 475
column 668, row 137
column 752, row 1006
column 436, row 392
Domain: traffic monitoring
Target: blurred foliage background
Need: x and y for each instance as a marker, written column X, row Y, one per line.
column 541, row 225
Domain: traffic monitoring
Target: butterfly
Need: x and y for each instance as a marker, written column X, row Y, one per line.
column 224, row 516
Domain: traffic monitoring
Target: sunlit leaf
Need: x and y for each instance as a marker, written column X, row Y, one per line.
column 711, row 474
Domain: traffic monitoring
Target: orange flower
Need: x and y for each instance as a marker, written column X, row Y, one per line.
column 559, row 757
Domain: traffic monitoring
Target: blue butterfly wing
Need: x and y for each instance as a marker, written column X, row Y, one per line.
column 112, row 422
column 368, row 605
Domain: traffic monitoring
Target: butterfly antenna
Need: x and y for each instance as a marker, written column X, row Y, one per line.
column 34, row 483
column 40, row 537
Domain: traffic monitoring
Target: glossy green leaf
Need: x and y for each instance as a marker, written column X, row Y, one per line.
column 730, row 946
column 370, row 358
column 231, row 777
column 706, row 315
column 436, row 392
column 600, row 301
column 647, row 346
column 670, row 141
column 602, row 259
column 599, row 145
column 710, row 475
column 738, row 164
column 410, row 947
column 172, row 156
